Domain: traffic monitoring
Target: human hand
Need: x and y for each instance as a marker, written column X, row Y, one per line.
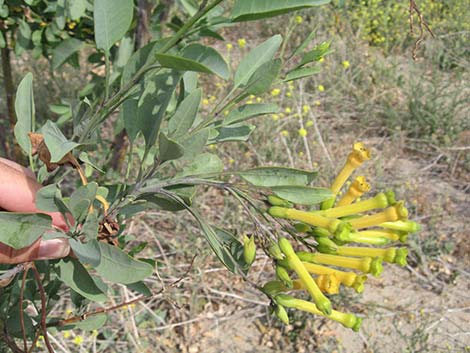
column 18, row 187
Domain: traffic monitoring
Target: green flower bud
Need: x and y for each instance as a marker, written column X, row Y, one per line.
column 275, row 252
column 281, row 314
column 283, row 275
column 249, row 249
column 302, row 228
column 277, row 201
column 273, row 288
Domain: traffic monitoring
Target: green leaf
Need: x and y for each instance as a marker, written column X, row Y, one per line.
column 140, row 287
column 25, row 115
column 304, row 43
column 302, row 195
column 277, row 176
column 152, row 104
column 185, row 114
column 223, row 248
column 249, row 10
column 81, row 199
column 205, row 163
column 118, row 267
column 20, row 230
column 76, row 9
column 194, row 143
column 56, row 142
column 249, row 111
column 209, row 57
column 112, row 19
column 65, row 50
column 124, row 52
column 301, row 73
column 255, row 58
column 87, row 252
column 180, row 63
column 234, row 132
column 74, row 275
column 90, row 227
column 60, row 14
column 23, row 38
column 169, row 149
column 263, row 77
column 45, row 198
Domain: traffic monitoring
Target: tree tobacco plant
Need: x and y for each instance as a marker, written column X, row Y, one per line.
column 154, row 95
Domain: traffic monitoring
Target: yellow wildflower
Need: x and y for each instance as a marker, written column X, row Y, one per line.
column 305, row 108
column 242, row 42
column 205, row 101
column 288, row 110
column 229, row 46
column 302, row 132
column 275, row 117
column 298, row 19
column 285, row 133
column 78, row 340
column 309, row 123
column 346, row 64
column 275, row 92
column 317, row 103
column 321, row 88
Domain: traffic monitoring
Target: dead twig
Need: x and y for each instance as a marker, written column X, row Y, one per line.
column 42, row 294
column 26, row 267
column 423, row 25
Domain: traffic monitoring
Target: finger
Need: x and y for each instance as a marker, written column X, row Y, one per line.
column 40, row 250
column 28, row 172
column 18, row 191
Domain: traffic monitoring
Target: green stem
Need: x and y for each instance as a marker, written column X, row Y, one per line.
column 107, row 65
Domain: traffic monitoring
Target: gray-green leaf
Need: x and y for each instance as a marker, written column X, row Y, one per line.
column 277, row 176
column 112, row 19
column 255, row 58
column 20, row 230
column 74, row 275
column 24, row 107
column 118, row 267
column 302, row 195
column 249, row 10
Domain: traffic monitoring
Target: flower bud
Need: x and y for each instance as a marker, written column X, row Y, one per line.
column 277, row 201
column 275, row 252
column 249, row 249
column 281, row 314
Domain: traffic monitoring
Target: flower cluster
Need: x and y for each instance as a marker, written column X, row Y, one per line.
column 340, row 221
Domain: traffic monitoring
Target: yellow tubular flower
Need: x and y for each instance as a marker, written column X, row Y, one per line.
column 322, row 302
column 328, row 283
column 348, row 320
column 349, row 279
column 358, row 155
column 390, row 214
column 360, row 237
column 305, row 217
column 404, row 226
column 358, row 187
column 391, row 255
column 364, row 264
column 381, row 200
column 381, row 233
